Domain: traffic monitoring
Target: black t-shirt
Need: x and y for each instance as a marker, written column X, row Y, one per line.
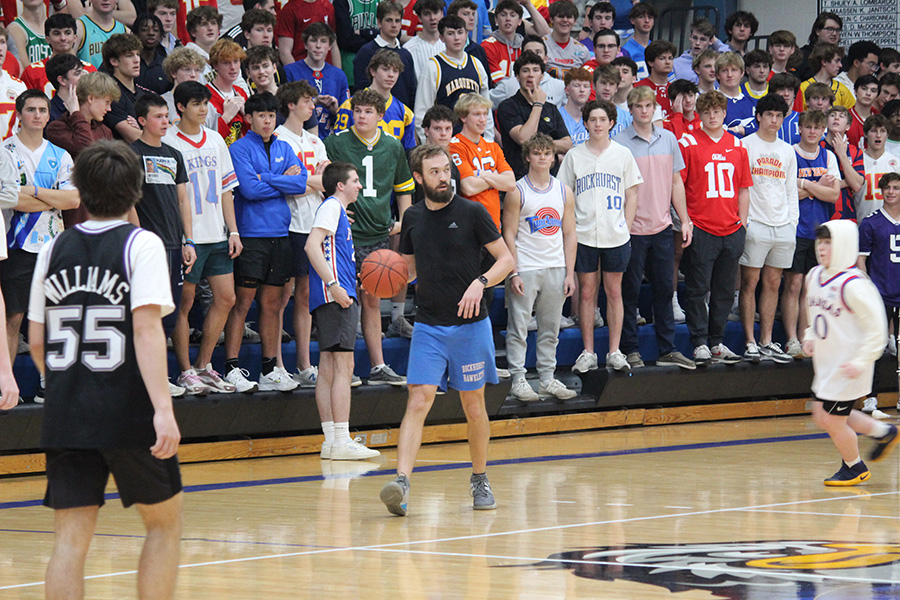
column 515, row 111
column 419, row 194
column 123, row 108
column 447, row 245
column 158, row 209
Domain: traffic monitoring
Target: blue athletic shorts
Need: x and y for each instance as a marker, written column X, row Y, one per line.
column 461, row 355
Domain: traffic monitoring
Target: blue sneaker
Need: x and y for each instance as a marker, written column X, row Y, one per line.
column 849, row 475
column 395, row 495
column 885, row 444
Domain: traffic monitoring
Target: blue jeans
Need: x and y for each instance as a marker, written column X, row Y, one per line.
column 655, row 255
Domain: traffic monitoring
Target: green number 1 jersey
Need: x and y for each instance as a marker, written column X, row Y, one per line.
column 382, row 169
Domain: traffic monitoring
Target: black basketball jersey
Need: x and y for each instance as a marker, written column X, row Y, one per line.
column 453, row 81
column 95, row 395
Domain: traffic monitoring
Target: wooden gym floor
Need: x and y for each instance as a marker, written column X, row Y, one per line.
column 731, row 509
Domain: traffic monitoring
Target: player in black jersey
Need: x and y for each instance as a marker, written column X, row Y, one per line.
column 99, row 293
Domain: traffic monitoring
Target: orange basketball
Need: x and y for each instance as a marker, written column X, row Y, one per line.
column 384, row 274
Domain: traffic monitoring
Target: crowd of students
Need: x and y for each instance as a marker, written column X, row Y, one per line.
column 605, row 157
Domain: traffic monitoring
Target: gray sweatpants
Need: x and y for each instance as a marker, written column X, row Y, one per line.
column 545, row 294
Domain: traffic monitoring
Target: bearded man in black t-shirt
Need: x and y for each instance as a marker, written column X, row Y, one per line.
column 452, row 341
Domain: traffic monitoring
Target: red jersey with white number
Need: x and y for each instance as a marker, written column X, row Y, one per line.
column 662, row 95
column 184, row 7
column 501, row 58
column 471, row 159
column 410, row 22
column 296, row 16
column 35, row 76
column 234, row 129
column 714, row 173
column 10, row 88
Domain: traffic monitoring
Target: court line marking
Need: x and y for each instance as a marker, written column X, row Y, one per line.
column 464, row 465
column 483, row 535
column 800, row 512
column 798, row 575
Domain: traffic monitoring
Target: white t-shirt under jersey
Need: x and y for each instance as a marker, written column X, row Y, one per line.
column 311, row 151
column 210, row 174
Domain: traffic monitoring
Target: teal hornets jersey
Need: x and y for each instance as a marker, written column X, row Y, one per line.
column 91, row 49
column 398, row 121
column 372, row 209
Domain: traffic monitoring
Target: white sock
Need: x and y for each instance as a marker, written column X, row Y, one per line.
column 397, row 310
column 880, row 429
column 328, row 430
column 857, row 461
column 341, row 432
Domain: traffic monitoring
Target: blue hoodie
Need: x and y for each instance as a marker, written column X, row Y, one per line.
column 260, row 207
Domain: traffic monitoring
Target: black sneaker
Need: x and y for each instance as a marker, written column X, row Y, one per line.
column 885, row 444
column 849, row 475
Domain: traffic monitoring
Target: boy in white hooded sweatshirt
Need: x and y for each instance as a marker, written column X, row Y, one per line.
column 847, row 333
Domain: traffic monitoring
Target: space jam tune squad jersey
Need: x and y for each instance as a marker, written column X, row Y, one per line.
column 539, row 241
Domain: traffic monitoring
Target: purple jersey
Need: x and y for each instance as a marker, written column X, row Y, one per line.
column 879, row 239
column 741, row 111
column 330, row 81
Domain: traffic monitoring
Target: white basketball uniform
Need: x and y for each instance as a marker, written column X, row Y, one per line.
column 539, row 242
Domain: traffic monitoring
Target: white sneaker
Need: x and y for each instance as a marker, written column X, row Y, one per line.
column 278, row 380
column 555, row 387
column 214, row 381
column 794, row 349
column 677, row 312
column 307, row 377
column 617, row 361
column 522, row 390
column 175, row 391
column 567, row 322
column 598, row 319
column 238, row 378
column 702, row 355
column 192, row 383
column 351, row 450
column 722, row 354
column 586, row 361
column 869, row 405
column 325, row 453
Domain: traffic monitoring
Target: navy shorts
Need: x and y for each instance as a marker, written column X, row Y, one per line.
column 212, row 260
column 298, row 247
column 461, row 355
column 77, row 478
column 609, row 260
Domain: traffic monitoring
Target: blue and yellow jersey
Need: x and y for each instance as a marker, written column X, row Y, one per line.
column 398, row 121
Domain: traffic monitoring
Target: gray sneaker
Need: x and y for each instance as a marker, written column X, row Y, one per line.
column 355, row 381
column 400, row 327
column 772, row 351
column 616, row 360
column 634, row 360
column 307, row 377
column 384, row 375
column 395, row 495
column 676, row 359
column 753, row 353
column 556, row 388
column 480, row 488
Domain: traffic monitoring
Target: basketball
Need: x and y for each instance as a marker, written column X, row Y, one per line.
column 384, row 274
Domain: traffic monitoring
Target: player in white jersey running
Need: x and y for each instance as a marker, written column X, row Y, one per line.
column 298, row 102
column 847, row 333
column 539, row 230
column 210, row 181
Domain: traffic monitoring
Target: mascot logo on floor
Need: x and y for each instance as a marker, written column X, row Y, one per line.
column 773, row 570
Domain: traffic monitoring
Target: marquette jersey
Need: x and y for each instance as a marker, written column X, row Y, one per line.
column 338, row 250
column 539, row 241
column 50, row 167
column 210, row 174
column 91, row 49
column 837, row 334
column 311, row 152
column 398, row 121
column 36, row 46
column 330, row 81
column 232, row 130
column 455, row 79
column 10, row 88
